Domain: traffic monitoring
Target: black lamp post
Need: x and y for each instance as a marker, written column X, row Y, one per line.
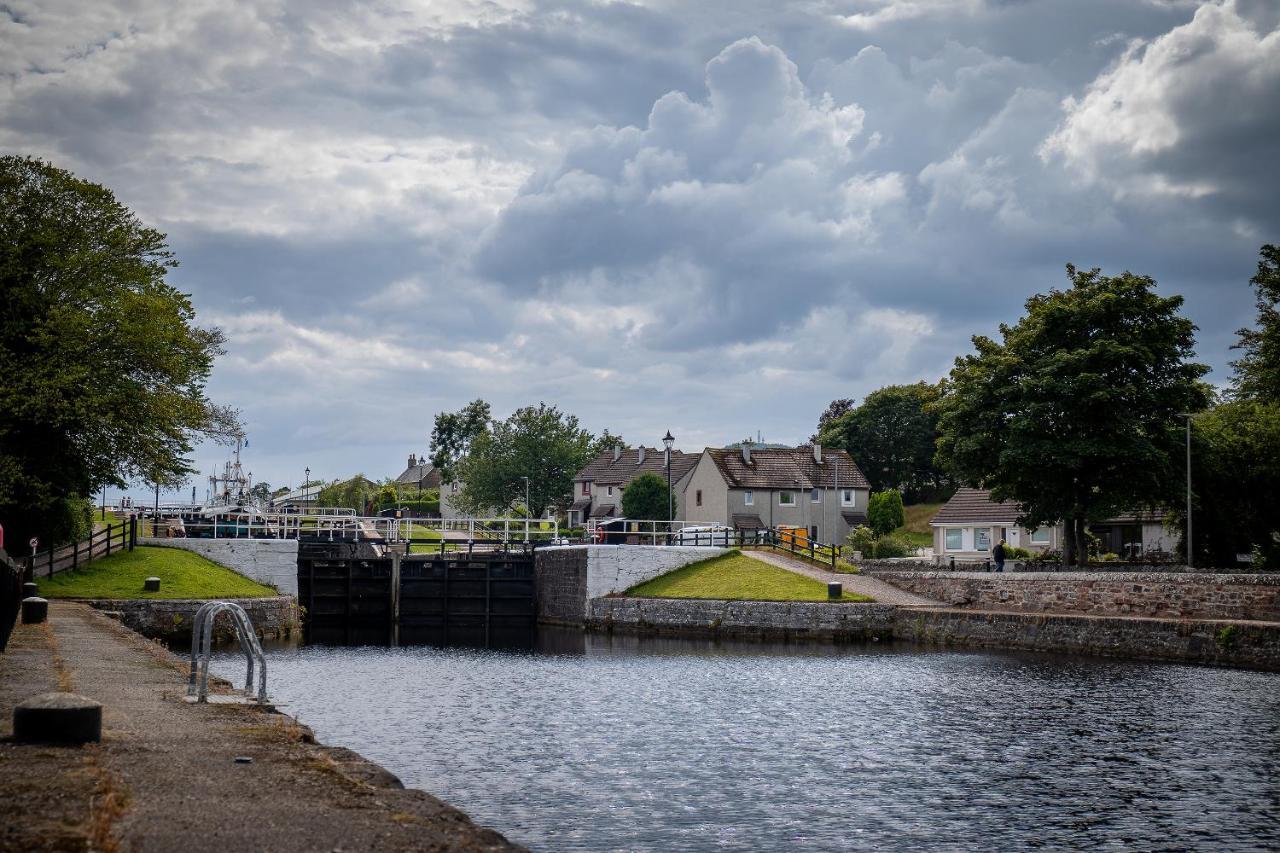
column 306, row 483
column 668, row 441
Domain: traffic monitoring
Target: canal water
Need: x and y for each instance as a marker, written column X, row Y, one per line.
column 598, row 743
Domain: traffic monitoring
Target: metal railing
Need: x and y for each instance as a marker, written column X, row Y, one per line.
column 793, row 541
column 202, row 646
column 68, row 558
column 349, row 527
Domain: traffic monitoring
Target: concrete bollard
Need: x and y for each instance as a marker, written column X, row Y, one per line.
column 58, row 718
column 34, row 610
column 30, row 590
column 151, row 585
column 835, row 589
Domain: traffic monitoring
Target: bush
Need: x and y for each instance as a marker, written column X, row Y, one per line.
column 885, row 512
column 888, row 547
column 862, row 538
column 1014, row 552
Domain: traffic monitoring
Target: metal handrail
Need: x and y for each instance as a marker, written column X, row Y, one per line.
column 202, row 643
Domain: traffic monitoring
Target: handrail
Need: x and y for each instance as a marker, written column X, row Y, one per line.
column 202, row 644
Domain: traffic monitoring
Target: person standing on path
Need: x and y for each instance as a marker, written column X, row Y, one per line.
column 997, row 554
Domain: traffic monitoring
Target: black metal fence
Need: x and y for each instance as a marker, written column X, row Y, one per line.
column 101, row 543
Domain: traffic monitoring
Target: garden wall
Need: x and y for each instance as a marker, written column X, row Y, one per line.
column 273, row 562
column 275, row 617
column 1154, row 594
column 570, row 576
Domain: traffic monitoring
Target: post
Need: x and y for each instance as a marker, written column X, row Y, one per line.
column 155, row 519
column 133, row 531
column 1190, row 551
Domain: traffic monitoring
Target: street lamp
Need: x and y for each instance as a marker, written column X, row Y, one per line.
column 1190, row 552
column 668, row 441
column 306, row 483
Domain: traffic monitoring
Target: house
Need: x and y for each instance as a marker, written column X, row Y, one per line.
column 597, row 488
column 298, row 500
column 752, row 488
column 419, row 475
column 969, row 524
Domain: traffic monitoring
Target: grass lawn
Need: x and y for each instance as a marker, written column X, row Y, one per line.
column 182, row 575
column 736, row 577
column 917, row 529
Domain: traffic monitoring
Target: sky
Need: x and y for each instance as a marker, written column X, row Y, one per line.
column 709, row 217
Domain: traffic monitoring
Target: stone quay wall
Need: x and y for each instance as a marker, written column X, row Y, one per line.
column 755, row 620
column 170, row 620
column 1153, row 594
column 570, row 576
column 273, row 562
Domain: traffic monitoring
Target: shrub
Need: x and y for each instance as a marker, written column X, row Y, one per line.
column 888, row 547
column 1014, row 552
column 885, row 512
column 862, row 538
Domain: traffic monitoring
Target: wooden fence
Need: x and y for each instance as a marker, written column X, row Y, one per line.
column 108, row 540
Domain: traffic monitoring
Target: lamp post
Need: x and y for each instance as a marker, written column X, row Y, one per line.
column 306, row 483
column 1190, row 551
column 668, row 441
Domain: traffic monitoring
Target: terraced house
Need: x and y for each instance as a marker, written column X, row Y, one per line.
column 597, row 489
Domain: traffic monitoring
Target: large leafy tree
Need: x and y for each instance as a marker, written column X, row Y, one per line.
column 539, row 442
column 1074, row 414
column 892, row 436
column 103, row 367
column 646, row 497
column 835, row 409
column 453, row 433
column 1257, row 372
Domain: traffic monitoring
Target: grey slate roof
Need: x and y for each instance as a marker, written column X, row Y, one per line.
column 788, row 468
column 602, row 511
column 747, row 521
column 974, row 506
column 604, row 471
column 424, row 473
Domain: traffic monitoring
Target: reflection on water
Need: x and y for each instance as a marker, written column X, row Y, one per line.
column 598, row 743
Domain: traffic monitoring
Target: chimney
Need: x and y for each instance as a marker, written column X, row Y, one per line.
column 746, row 452
column 413, row 460
column 817, row 453
column 617, row 452
column 640, row 451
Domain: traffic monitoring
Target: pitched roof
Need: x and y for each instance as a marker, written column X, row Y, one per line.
column 605, row 471
column 853, row 517
column 968, row 506
column 788, row 468
column 424, row 473
column 602, row 511
column 747, row 521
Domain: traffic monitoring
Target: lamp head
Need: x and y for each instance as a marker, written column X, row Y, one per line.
column 668, row 440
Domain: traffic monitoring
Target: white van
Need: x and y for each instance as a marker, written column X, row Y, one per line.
column 709, row 534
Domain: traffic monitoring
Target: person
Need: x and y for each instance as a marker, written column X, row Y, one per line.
column 997, row 554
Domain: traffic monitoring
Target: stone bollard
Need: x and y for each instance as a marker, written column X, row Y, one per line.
column 30, row 590
column 835, row 590
column 58, row 718
column 34, row 610
column 151, row 585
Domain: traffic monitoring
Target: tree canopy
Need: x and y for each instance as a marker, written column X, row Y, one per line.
column 646, row 497
column 539, row 442
column 453, row 433
column 1075, row 413
column 356, row 493
column 885, row 512
column 104, row 368
column 1257, row 372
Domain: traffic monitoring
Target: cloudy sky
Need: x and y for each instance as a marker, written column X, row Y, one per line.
column 706, row 217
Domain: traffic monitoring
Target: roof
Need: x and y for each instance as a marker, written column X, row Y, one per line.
column 854, row 518
column 581, row 504
column 604, row 470
column 968, row 506
column 788, row 468
column 747, row 521
column 602, row 511
column 424, row 473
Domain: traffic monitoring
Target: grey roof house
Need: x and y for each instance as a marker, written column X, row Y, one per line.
column 420, row 474
column 597, row 488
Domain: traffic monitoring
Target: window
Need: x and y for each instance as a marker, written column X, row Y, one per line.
column 611, row 491
column 786, row 498
column 815, row 496
column 586, row 487
column 1040, row 536
column 847, row 497
column 697, row 497
column 749, row 497
column 982, row 538
column 955, row 539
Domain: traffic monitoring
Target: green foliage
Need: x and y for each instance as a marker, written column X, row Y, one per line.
column 862, row 538
column 356, row 493
column 104, row 370
column 1257, row 372
column 1015, row 552
column 736, row 577
column 426, row 506
column 539, row 442
column 182, row 575
column 834, row 411
column 606, row 441
column 1074, row 414
column 261, row 492
column 645, row 497
column 878, row 547
column 453, row 433
column 885, row 512
column 892, row 437
column 1227, row 637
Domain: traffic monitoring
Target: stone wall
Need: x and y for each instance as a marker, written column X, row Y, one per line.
column 609, row 570
column 1153, row 594
column 757, row 620
column 170, row 619
column 273, row 562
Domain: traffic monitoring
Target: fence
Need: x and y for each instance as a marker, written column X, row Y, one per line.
column 793, row 541
column 101, row 543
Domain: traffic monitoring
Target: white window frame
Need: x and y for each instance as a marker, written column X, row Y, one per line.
column 586, row 488
column 788, row 492
column 748, row 498
column 977, row 544
column 946, row 538
column 1048, row 536
column 610, row 491
column 815, row 496
column 848, row 497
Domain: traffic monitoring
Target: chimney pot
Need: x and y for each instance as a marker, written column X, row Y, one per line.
column 640, row 452
column 413, row 460
column 817, row 453
column 746, row 453
column 617, row 453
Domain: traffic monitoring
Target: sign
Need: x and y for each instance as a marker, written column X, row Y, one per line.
column 34, row 543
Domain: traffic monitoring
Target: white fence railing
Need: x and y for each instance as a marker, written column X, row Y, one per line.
column 333, row 526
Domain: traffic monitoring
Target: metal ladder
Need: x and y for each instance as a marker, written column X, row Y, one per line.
column 202, row 641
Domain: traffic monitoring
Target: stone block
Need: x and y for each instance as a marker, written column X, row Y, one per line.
column 58, row 718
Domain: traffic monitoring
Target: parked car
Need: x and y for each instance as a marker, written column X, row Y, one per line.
column 708, row 534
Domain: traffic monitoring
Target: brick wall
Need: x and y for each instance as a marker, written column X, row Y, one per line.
column 273, row 562
column 1154, row 594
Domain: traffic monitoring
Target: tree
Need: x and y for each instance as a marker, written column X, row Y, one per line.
column 835, row 409
column 606, row 441
column 104, row 368
column 1075, row 414
column 539, row 442
column 453, row 433
column 261, row 492
column 646, row 497
column 356, row 493
column 885, row 512
column 1257, row 372
column 892, row 436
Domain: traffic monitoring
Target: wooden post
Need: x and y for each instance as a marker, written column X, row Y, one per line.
column 133, row 532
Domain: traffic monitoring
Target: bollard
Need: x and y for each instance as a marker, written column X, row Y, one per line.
column 835, row 590
column 30, row 590
column 151, row 585
column 34, row 610
column 58, row 718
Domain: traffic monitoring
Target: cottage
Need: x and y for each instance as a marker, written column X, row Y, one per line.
column 597, row 488
column 420, row 475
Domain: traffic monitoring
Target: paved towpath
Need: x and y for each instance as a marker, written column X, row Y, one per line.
column 165, row 776
column 882, row 592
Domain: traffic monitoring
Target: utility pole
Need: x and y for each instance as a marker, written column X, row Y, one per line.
column 1190, row 551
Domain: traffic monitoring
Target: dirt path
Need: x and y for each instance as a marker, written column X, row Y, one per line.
column 165, row 776
column 882, row 592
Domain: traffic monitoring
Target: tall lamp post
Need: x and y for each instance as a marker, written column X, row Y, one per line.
column 1190, row 550
column 668, row 441
column 306, row 484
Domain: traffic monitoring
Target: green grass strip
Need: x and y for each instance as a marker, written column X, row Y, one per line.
column 182, row 575
column 736, row 577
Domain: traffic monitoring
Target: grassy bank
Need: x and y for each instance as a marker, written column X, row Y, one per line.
column 182, row 575
column 916, row 529
column 736, row 577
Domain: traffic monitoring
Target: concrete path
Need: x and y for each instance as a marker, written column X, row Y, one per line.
column 165, row 776
column 882, row 592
